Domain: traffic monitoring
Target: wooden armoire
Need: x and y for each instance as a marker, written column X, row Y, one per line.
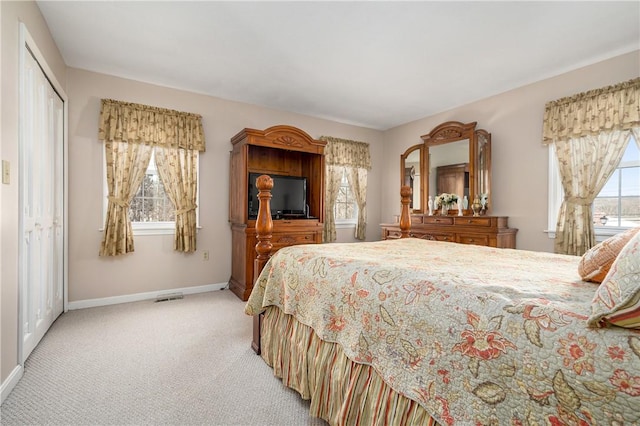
column 278, row 150
column 453, row 179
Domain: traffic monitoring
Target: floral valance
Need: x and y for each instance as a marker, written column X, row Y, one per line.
column 136, row 123
column 610, row 108
column 345, row 152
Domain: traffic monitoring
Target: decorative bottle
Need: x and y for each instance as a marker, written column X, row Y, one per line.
column 484, row 201
column 476, row 206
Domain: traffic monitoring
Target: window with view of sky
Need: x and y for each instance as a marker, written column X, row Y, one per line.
column 618, row 203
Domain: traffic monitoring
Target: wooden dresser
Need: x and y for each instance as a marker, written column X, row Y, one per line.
column 491, row 231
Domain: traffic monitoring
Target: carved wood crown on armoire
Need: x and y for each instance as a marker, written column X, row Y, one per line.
column 282, row 152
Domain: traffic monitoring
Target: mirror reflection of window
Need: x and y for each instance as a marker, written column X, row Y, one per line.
column 482, row 164
column 412, row 178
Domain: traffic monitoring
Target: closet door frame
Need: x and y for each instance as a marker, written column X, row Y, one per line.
column 60, row 164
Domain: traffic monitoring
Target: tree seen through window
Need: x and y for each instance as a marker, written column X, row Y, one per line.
column 151, row 203
column 345, row 206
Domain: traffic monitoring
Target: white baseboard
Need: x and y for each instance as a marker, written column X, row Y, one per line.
column 91, row 303
column 11, row 382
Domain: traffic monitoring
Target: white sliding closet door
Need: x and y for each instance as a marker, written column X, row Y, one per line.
column 41, row 202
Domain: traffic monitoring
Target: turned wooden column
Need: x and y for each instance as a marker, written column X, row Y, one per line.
column 264, row 228
column 405, row 217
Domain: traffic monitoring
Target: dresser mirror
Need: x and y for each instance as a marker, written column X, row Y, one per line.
column 411, row 164
column 449, row 168
column 483, row 162
column 454, row 158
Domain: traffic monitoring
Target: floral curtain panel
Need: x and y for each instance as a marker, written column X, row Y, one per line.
column 590, row 132
column 126, row 167
column 136, row 123
column 177, row 168
column 610, row 108
column 355, row 157
column 332, row 187
column 585, row 165
column 357, row 178
column 345, row 152
column 130, row 132
column 636, row 135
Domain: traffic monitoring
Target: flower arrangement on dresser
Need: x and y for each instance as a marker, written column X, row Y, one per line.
column 445, row 201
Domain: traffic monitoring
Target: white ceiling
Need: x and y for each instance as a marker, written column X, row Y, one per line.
column 374, row 64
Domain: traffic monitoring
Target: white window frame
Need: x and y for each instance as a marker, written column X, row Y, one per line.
column 347, row 223
column 147, row 228
column 556, row 195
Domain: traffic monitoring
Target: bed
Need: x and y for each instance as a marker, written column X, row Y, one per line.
column 411, row 331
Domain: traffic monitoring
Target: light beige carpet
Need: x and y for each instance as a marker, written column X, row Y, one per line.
column 180, row 362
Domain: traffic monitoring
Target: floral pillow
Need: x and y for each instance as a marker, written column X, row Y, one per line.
column 617, row 300
column 595, row 263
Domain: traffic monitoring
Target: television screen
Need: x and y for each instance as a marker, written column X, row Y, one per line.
column 288, row 196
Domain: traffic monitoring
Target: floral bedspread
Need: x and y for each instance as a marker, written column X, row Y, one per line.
column 476, row 335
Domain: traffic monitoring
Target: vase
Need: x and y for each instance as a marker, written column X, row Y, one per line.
column 444, row 210
column 476, row 206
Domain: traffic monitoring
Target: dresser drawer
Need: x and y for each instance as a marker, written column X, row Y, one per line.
column 416, row 219
column 472, row 221
column 438, row 220
column 479, row 240
column 391, row 234
column 284, row 240
column 434, row 236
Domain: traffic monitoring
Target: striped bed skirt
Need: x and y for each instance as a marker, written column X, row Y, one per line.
column 341, row 391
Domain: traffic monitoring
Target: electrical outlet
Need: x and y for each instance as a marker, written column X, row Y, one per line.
column 205, row 255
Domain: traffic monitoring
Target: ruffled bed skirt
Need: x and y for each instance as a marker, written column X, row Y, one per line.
column 341, row 391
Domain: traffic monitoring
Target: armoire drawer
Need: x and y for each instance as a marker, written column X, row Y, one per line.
column 284, row 240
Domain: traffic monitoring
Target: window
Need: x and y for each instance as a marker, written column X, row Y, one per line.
column 616, row 207
column 151, row 210
column 346, row 208
column 151, row 203
column 618, row 204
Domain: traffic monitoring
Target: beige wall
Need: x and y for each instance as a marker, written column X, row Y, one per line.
column 12, row 13
column 154, row 266
column 519, row 160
